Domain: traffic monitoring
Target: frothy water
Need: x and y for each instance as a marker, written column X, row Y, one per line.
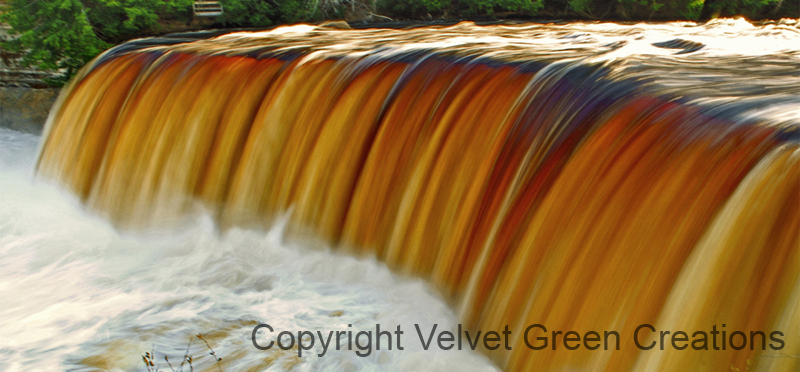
column 78, row 295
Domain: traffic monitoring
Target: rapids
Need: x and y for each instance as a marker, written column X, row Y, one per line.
column 80, row 296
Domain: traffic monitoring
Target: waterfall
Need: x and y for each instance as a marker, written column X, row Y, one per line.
column 581, row 186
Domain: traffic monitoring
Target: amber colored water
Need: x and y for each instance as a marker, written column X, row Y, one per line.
column 530, row 181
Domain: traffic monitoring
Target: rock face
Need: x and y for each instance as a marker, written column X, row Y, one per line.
column 26, row 109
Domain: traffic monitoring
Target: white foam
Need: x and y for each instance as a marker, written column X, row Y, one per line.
column 74, row 288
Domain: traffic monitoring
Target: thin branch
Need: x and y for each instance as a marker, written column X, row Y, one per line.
column 371, row 14
column 213, row 353
column 186, row 354
column 168, row 363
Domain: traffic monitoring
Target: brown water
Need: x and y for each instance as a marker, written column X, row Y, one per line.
column 587, row 177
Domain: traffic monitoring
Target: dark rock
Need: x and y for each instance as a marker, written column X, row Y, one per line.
column 26, row 109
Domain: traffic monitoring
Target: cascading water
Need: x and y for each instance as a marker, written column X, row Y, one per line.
column 587, row 177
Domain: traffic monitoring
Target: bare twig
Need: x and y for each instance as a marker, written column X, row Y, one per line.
column 149, row 358
column 186, row 355
column 213, row 353
column 148, row 362
column 168, row 363
column 371, row 14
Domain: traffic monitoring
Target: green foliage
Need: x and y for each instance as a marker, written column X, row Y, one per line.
column 57, row 34
column 489, row 7
column 263, row 13
column 747, row 8
column 582, row 7
column 119, row 20
column 65, row 34
column 690, row 10
column 462, row 8
column 293, row 11
column 637, row 9
column 644, row 9
column 248, row 13
column 413, row 8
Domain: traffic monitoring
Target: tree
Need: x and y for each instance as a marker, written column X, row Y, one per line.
column 120, row 20
column 63, row 35
column 752, row 9
column 56, row 34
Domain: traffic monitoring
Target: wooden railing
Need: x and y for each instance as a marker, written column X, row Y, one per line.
column 207, row 9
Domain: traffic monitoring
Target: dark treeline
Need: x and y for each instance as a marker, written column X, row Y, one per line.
column 65, row 34
column 591, row 9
